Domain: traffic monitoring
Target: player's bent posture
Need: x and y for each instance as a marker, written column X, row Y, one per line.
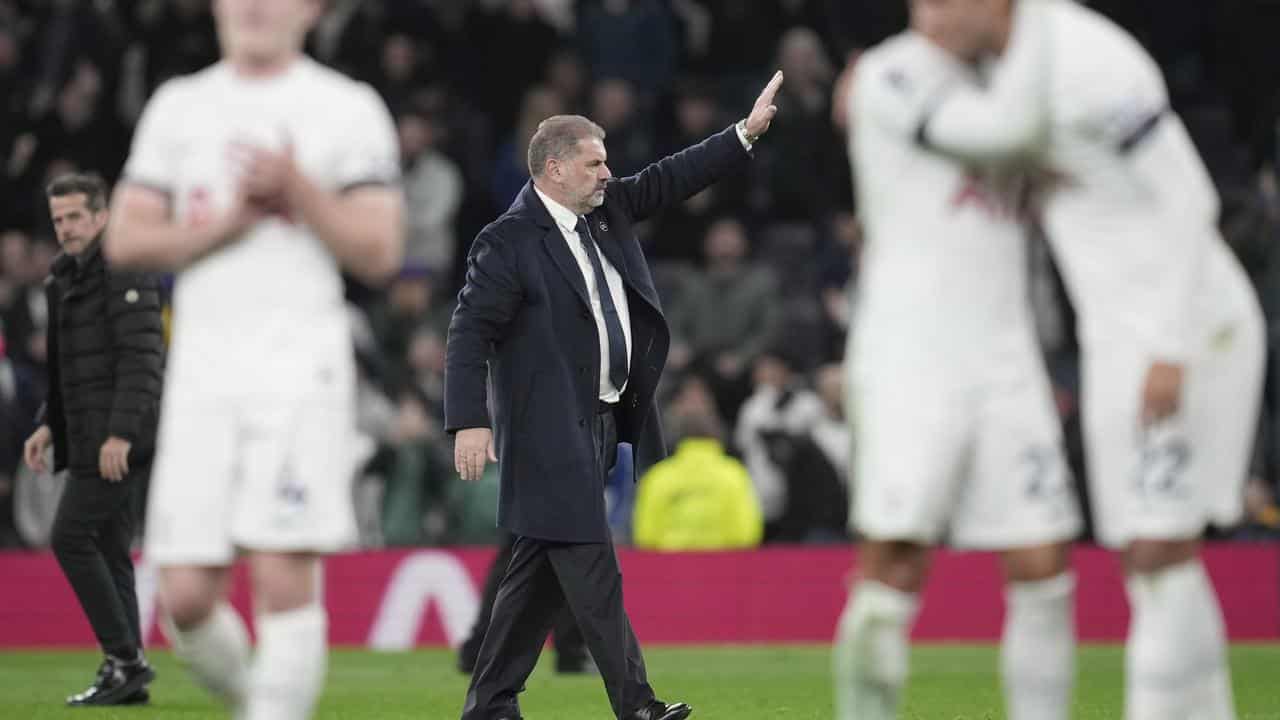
column 956, row 435
column 1170, row 330
column 257, row 178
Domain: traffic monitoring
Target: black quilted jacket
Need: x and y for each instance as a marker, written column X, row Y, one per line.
column 106, row 360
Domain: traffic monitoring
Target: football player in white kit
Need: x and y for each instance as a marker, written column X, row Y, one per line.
column 1170, row 329
column 257, row 179
column 956, row 435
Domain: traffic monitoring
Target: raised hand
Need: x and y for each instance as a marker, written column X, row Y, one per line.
column 757, row 123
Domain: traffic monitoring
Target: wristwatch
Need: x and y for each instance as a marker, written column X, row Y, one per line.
column 742, row 128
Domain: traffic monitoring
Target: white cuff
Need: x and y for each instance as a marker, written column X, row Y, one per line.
column 742, row 136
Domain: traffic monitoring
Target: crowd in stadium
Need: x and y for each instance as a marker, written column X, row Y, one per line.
column 756, row 273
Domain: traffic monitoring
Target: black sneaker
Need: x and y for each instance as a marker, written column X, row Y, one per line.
column 142, row 697
column 116, row 684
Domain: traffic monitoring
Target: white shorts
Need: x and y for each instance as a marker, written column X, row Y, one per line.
column 982, row 469
column 241, row 471
column 1170, row 481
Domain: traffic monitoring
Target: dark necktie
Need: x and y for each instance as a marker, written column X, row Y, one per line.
column 612, row 325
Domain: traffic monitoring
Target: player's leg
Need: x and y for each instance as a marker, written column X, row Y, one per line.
column 1037, row 650
column 1175, row 659
column 188, row 540
column 207, row 634
column 872, row 646
column 288, row 670
column 1019, row 501
column 1169, row 591
column 903, row 492
column 293, row 504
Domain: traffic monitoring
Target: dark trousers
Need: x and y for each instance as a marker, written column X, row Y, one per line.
column 92, row 533
column 542, row 578
column 570, row 646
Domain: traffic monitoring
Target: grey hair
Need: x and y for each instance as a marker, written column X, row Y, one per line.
column 557, row 139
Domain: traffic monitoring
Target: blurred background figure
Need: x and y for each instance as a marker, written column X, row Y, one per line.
column 700, row 498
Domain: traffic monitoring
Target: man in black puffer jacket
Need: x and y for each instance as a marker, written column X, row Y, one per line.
column 106, row 358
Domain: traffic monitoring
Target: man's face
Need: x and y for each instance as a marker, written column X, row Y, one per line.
column 263, row 31
column 583, row 175
column 75, row 224
column 964, row 28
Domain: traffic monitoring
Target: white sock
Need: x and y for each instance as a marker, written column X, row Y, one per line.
column 1176, row 658
column 872, row 651
column 217, row 653
column 288, row 672
column 1038, row 652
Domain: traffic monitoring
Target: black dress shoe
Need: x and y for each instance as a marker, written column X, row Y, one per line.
column 658, row 710
column 116, row 683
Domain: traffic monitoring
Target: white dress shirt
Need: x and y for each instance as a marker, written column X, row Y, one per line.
column 566, row 221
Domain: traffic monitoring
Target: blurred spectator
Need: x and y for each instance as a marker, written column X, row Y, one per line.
column 24, row 314
column 743, row 33
column 349, row 36
column 803, row 177
column 614, row 108
column 799, row 488
column 433, row 193
column 831, row 429
column 727, row 314
column 567, row 77
column 403, row 69
column 79, row 130
column 409, row 304
column 179, row 36
column 609, row 32
column 18, row 404
column 699, row 498
column 520, row 43
column 512, row 169
column 675, row 235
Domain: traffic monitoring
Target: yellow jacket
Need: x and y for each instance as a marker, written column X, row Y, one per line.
column 697, row 499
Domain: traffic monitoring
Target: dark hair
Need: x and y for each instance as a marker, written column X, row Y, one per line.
column 91, row 185
column 698, row 424
column 557, row 137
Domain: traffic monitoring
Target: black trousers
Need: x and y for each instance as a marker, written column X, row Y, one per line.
column 92, row 532
column 542, row 577
column 570, row 646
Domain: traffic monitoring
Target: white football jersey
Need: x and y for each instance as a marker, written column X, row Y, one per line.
column 249, row 313
column 942, row 279
column 1132, row 211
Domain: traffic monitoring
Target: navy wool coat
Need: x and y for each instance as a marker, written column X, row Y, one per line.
column 524, row 322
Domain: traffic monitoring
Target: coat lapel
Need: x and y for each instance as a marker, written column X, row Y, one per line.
column 530, row 205
column 599, row 228
column 559, row 250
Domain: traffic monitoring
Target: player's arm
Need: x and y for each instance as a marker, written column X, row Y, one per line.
column 362, row 226
column 142, row 233
column 1003, row 122
column 1166, row 165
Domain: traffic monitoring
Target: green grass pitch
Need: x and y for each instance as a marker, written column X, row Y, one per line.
column 949, row 682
